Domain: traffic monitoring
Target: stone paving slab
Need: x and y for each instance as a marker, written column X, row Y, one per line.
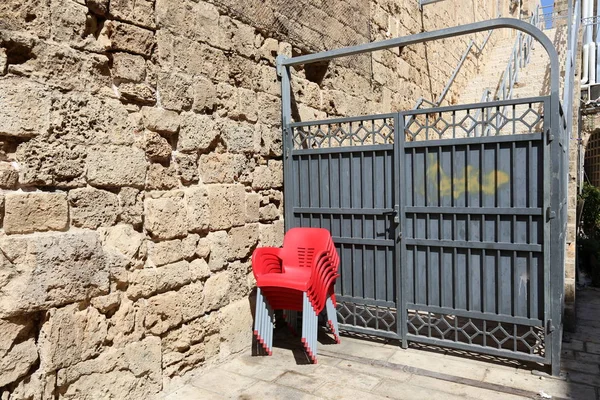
column 360, row 369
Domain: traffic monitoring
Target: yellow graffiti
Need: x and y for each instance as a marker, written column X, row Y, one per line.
column 466, row 181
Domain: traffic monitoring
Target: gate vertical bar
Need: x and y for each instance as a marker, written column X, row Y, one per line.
column 288, row 141
column 556, row 292
column 400, row 245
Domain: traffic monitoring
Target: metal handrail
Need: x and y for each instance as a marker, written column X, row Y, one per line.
column 464, row 56
column 519, row 58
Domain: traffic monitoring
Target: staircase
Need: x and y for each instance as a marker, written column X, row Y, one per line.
column 533, row 79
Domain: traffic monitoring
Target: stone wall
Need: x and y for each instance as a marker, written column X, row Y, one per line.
column 140, row 165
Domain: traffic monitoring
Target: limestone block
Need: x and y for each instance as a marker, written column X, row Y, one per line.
column 122, row 239
column 157, row 147
column 132, row 206
column 216, row 291
column 220, row 244
column 239, row 137
column 166, row 217
column 246, row 106
column 162, row 178
column 268, row 176
column 163, row 312
column 57, row 164
column 126, row 324
column 235, row 321
column 92, row 208
column 191, row 299
column 269, row 213
column 227, row 204
column 63, row 67
column 68, row 25
column 270, row 109
column 264, row 79
column 252, row 207
column 243, row 240
column 271, row 235
column 141, row 93
column 187, row 167
column 199, row 269
column 203, row 248
column 270, row 140
column 175, row 91
column 240, row 271
column 204, row 94
column 198, row 208
column 128, row 67
column 113, row 166
column 35, row 212
column 221, row 167
column 16, row 355
column 107, row 304
column 170, row 251
column 51, row 270
column 149, row 281
column 195, row 58
column 134, row 372
column 160, row 120
column 139, row 12
column 9, row 177
column 129, row 38
column 269, row 50
column 24, row 108
column 86, row 118
column 33, row 17
column 37, row 386
column 197, row 132
column 71, row 335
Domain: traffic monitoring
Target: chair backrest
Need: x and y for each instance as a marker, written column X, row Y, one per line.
column 300, row 245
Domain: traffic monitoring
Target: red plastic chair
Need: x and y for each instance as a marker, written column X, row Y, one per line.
column 298, row 277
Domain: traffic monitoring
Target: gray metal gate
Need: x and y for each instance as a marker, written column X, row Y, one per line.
column 449, row 221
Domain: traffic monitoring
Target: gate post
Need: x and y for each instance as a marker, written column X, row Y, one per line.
column 557, row 244
column 283, row 71
column 400, row 246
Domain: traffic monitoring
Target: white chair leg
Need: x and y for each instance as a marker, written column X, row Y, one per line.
column 263, row 322
column 332, row 321
column 291, row 319
column 309, row 329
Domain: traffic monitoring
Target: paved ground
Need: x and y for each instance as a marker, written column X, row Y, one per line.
column 362, row 369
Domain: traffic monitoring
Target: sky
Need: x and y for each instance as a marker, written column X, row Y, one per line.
column 547, row 2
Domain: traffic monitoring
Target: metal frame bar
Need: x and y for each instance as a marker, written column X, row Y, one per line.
column 552, row 197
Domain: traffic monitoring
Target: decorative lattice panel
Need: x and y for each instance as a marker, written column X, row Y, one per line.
column 475, row 122
column 367, row 317
column 477, row 332
column 344, row 133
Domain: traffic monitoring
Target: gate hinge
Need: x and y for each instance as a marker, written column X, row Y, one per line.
column 397, row 215
column 550, row 136
column 550, row 327
column 550, row 214
column 399, row 236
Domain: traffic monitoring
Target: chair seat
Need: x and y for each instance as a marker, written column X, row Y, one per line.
column 296, row 278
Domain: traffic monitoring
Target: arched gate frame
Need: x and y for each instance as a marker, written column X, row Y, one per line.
column 450, row 222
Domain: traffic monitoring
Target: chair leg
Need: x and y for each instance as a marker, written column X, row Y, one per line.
column 291, row 319
column 332, row 321
column 263, row 322
column 309, row 329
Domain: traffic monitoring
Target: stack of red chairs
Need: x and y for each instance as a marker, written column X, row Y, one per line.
column 298, row 277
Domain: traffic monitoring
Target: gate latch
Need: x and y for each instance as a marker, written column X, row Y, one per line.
column 394, row 212
column 550, row 327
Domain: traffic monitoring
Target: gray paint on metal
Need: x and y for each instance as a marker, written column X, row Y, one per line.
column 468, row 280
